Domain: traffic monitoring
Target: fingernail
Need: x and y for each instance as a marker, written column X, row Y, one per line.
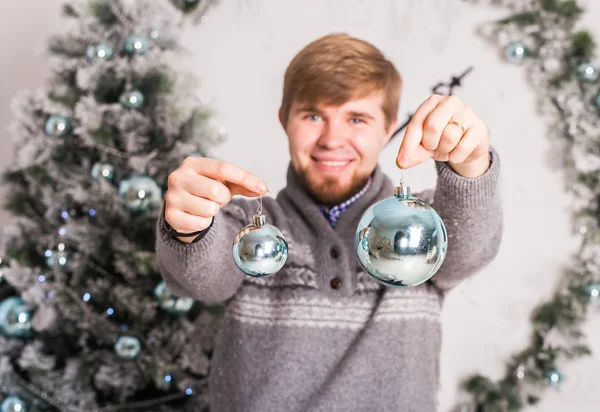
column 261, row 186
column 404, row 160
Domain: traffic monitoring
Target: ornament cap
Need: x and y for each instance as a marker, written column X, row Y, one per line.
column 402, row 191
column 259, row 220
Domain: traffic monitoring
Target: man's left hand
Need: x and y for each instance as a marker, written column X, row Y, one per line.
column 446, row 130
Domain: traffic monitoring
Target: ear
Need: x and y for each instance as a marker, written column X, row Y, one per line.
column 281, row 117
column 391, row 130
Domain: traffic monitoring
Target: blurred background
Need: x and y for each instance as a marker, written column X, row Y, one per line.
column 239, row 50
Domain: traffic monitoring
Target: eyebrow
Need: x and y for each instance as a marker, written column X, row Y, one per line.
column 311, row 109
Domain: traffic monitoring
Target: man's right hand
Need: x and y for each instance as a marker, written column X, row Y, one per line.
column 200, row 187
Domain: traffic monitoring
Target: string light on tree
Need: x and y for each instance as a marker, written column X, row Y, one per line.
column 59, row 256
column 58, row 126
column 554, row 378
column 593, row 293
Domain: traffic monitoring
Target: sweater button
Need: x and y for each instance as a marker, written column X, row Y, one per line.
column 336, row 283
column 334, row 253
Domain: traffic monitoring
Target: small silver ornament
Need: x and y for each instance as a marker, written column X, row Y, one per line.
column 260, row 249
column 516, row 52
column 401, row 240
column 13, row 404
column 128, row 347
column 132, row 99
column 587, row 72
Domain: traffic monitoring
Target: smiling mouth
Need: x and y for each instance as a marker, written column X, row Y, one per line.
column 332, row 164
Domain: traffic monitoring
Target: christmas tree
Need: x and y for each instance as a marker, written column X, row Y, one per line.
column 86, row 323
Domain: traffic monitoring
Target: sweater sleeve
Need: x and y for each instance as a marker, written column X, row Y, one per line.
column 472, row 213
column 204, row 270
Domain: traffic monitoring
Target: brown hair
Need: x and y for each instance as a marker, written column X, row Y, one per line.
column 337, row 68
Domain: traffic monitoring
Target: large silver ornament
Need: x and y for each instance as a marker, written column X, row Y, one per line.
column 401, row 240
column 260, row 249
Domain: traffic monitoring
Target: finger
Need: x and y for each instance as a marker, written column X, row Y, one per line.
column 228, row 173
column 453, row 133
column 186, row 223
column 469, row 144
column 197, row 206
column 438, row 119
column 421, row 155
column 414, row 131
column 187, row 181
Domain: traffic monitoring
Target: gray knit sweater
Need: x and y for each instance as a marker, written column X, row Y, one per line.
column 320, row 335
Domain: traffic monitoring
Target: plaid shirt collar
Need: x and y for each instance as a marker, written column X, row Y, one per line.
column 333, row 214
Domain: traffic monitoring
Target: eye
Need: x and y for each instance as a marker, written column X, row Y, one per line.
column 314, row 117
column 357, row 120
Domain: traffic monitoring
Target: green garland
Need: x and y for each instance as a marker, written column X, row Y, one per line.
column 542, row 36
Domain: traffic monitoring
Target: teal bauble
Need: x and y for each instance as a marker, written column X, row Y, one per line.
column 135, row 44
column 132, row 99
column 13, row 404
column 260, row 249
column 516, row 52
column 128, row 347
column 554, row 378
column 593, row 293
column 15, row 318
column 171, row 303
column 100, row 51
column 587, row 72
column 58, row 126
column 140, row 193
column 401, row 240
column 103, row 171
column 57, row 257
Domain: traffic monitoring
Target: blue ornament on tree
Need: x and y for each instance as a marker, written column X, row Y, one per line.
column 135, row 44
column 140, row 193
column 13, row 404
column 516, row 52
column 100, row 51
column 128, row 347
column 132, row 99
column 171, row 303
column 554, row 378
column 401, row 240
column 2, row 266
column 260, row 249
column 587, row 72
column 103, row 171
column 58, row 126
column 15, row 318
column 57, row 257
column 593, row 293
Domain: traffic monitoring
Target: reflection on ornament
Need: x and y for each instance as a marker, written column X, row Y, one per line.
column 554, row 378
column 100, row 51
column 400, row 240
column 140, row 193
column 58, row 126
column 104, row 171
column 15, row 318
column 260, row 249
column 171, row 303
column 587, row 72
column 136, row 45
column 516, row 52
column 13, row 404
column 128, row 347
column 132, row 99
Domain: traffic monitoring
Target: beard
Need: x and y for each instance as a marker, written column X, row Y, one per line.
column 329, row 192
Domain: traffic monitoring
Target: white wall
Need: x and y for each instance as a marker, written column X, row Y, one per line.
column 240, row 54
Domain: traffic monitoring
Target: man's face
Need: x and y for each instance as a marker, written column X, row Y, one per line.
column 334, row 149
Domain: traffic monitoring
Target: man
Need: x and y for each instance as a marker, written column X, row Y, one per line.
column 320, row 335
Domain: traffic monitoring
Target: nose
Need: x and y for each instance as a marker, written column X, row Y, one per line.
column 333, row 135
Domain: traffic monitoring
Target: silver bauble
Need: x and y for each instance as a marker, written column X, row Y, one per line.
column 260, row 249
column 401, row 240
